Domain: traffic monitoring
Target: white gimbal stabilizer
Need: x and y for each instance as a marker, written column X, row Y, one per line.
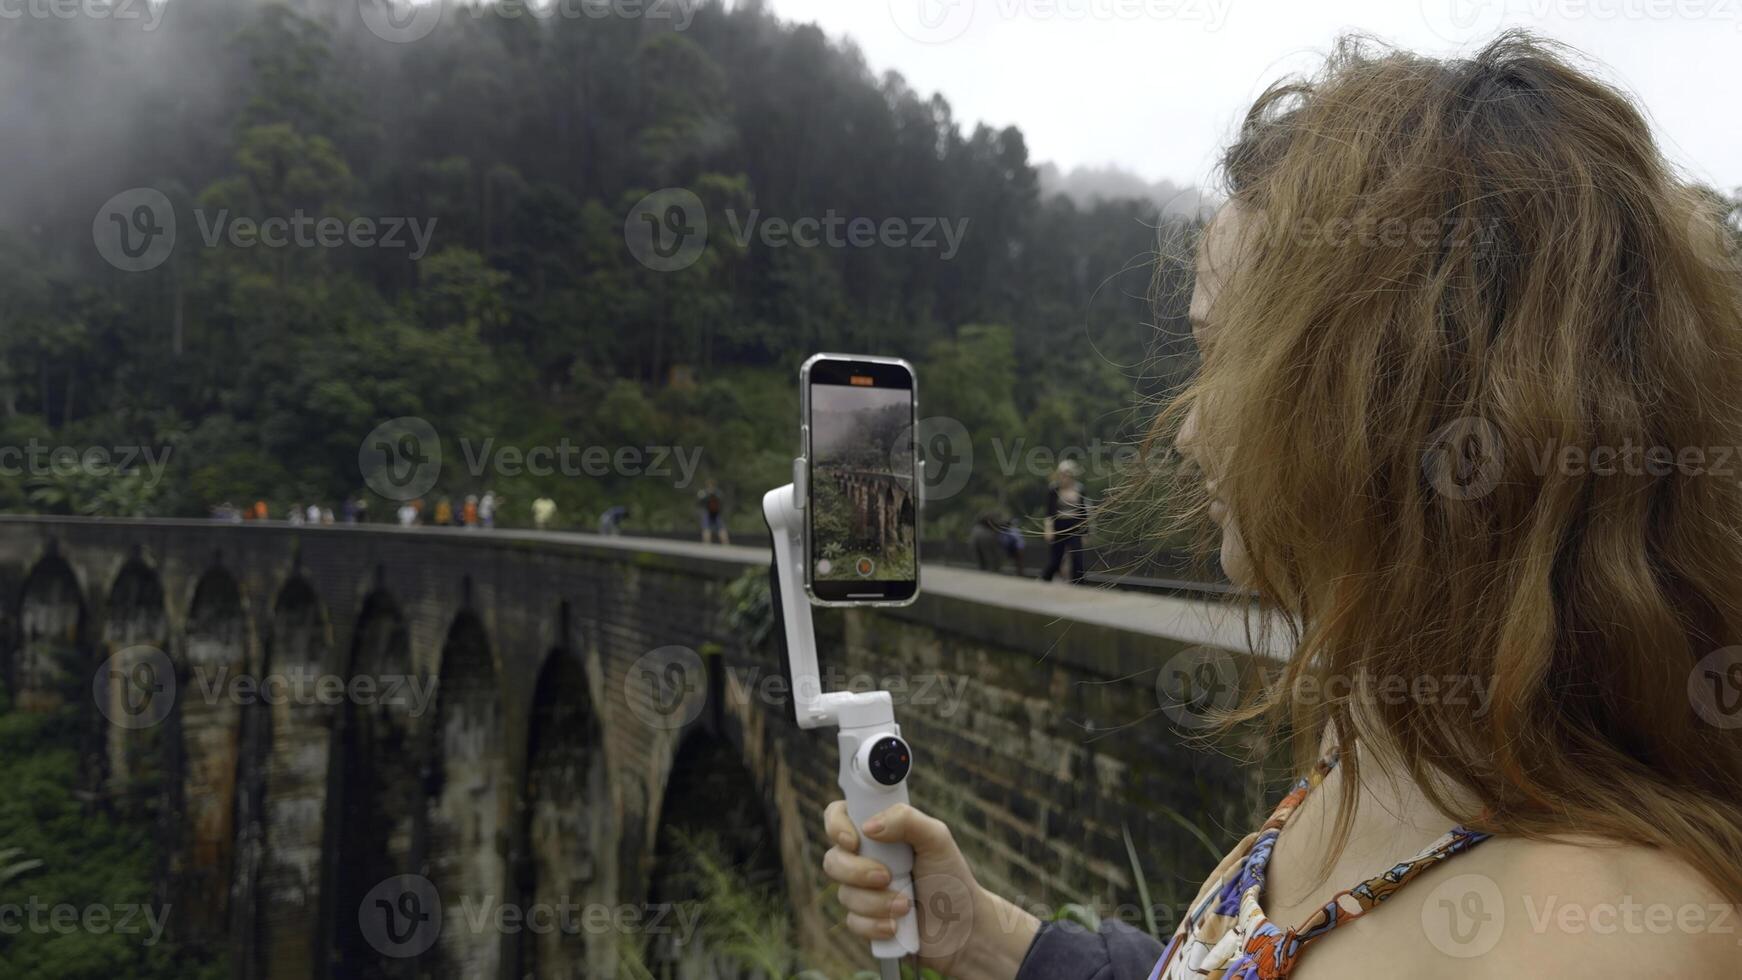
column 875, row 760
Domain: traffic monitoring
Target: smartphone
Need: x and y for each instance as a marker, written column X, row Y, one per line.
column 862, row 488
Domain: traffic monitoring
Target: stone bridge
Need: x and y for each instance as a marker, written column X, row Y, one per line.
column 882, row 506
column 342, row 732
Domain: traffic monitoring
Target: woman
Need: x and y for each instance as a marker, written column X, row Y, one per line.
column 1484, row 446
column 1067, row 516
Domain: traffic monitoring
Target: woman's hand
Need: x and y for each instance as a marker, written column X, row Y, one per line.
column 964, row 931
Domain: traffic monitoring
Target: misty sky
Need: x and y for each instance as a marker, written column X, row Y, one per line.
column 1157, row 93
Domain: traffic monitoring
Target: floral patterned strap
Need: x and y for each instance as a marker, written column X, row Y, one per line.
column 1375, row 890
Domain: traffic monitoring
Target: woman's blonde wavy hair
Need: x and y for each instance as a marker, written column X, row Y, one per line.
column 1447, row 270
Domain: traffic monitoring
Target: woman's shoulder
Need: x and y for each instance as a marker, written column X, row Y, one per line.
column 1586, row 907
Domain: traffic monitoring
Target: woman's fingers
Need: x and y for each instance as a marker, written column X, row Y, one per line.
column 867, row 928
column 839, row 827
column 851, row 869
column 873, row 904
column 901, row 823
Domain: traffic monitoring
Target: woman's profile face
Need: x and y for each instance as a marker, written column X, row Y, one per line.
column 1215, row 261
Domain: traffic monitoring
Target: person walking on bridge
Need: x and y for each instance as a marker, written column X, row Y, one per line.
column 713, row 509
column 1067, row 518
column 611, row 521
column 543, row 512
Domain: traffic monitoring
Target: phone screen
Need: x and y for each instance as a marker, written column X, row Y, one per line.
column 863, row 505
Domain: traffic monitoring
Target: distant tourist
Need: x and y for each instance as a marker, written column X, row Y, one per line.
column 994, row 539
column 313, row 514
column 296, row 514
column 611, row 521
column 713, row 508
column 487, row 509
column 543, row 510
column 327, row 516
column 1067, row 517
column 469, row 511
column 444, row 512
column 407, row 514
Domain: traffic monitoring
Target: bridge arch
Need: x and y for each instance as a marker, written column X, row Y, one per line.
column 716, row 846
column 569, row 832
column 54, row 662
column 376, row 814
column 468, row 796
column 136, row 649
column 283, row 792
column 215, row 655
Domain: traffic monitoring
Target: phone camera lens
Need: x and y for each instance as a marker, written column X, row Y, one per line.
column 890, row 761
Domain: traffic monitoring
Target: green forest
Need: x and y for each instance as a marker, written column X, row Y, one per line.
column 235, row 372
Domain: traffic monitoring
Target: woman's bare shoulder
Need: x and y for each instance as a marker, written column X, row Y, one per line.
column 1586, row 908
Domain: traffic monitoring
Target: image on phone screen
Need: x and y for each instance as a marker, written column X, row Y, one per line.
column 863, row 498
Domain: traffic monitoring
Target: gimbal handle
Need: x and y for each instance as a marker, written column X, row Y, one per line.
column 874, row 759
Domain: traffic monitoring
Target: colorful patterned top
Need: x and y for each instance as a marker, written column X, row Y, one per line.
column 1226, row 935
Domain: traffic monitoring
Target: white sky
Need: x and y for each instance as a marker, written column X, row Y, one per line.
column 1156, row 86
